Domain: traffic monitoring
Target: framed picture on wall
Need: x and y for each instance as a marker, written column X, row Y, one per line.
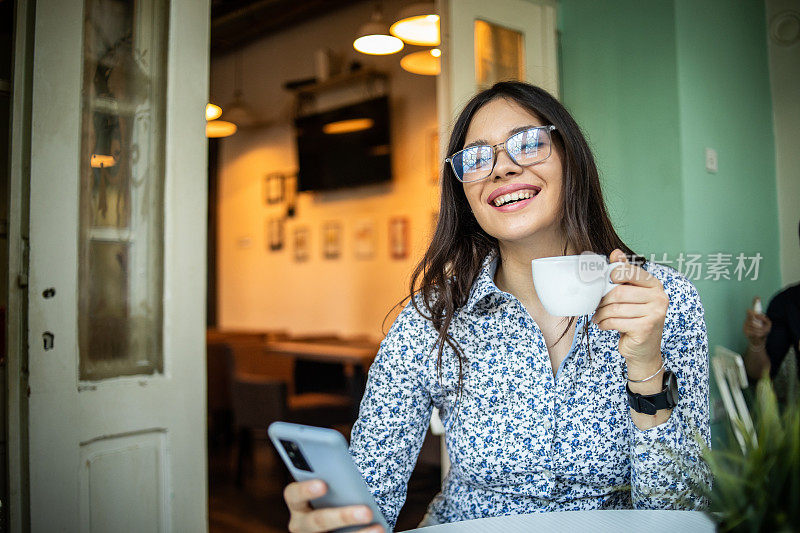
column 365, row 239
column 274, row 188
column 290, row 194
column 398, row 237
column 275, row 235
column 302, row 247
column 331, row 240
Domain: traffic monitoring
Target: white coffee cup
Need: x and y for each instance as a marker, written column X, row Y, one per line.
column 572, row 285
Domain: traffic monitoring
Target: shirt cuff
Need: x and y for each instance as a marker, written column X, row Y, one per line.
column 663, row 463
column 651, row 443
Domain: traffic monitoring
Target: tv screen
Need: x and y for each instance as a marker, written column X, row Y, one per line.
column 344, row 147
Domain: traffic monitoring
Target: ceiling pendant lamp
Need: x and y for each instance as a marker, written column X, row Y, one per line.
column 220, row 128
column 373, row 37
column 424, row 62
column 217, row 128
column 418, row 24
column 239, row 112
column 213, row 111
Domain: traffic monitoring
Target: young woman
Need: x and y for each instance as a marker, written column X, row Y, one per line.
column 542, row 413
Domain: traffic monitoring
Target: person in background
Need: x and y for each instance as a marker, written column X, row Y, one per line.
column 769, row 336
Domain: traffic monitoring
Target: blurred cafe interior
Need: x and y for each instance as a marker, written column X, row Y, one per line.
column 328, row 224
column 211, row 211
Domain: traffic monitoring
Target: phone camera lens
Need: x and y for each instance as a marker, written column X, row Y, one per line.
column 295, row 455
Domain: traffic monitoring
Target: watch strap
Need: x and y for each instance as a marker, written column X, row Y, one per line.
column 650, row 403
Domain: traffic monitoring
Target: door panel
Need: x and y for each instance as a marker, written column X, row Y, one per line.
column 121, row 448
column 135, row 505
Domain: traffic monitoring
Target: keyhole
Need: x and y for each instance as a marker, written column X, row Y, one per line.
column 49, row 340
column 49, row 293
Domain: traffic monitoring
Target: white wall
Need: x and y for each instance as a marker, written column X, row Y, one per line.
column 784, row 73
column 259, row 288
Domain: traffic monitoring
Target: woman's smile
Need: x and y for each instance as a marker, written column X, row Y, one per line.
column 513, row 197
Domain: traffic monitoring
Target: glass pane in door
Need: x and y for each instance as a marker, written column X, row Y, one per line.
column 499, row 54
column 122, row 192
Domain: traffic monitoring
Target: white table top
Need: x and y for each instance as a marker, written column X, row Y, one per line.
column 579, row 521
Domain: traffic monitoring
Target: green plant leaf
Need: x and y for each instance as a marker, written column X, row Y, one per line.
column 758, row 488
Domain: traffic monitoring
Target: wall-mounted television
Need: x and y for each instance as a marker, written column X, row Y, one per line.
column 344, row 147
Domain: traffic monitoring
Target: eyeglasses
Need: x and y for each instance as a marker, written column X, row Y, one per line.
column 525, row 148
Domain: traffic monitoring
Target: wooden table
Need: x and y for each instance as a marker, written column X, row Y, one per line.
column 355, row 357
column 221, row 335
column 349, row 355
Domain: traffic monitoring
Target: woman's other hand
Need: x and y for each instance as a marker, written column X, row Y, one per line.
column 304, row 519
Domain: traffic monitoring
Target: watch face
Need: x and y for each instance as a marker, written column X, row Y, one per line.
column 672, row 389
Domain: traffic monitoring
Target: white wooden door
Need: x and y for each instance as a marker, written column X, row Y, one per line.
column 533, row 22
column 116, row 420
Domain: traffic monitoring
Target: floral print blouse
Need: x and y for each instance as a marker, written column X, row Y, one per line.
column 521, row 439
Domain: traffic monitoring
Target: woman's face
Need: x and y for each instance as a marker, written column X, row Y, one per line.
column 534, row 220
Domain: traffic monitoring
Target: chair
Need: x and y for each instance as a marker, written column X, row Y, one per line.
column 255, row 361
column 219, row 369
column 263, row 391
column 731, row 378
column 256, row 403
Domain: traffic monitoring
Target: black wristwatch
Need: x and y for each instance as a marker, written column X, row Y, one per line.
column 649, row 404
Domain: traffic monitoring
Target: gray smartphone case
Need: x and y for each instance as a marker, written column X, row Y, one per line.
column 325, row 451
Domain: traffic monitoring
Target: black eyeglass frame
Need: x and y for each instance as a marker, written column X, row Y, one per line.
column 549, row 128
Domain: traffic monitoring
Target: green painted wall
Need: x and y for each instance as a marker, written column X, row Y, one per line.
column 655, row 83
column 618, row 78
column 725, row 103
column 652, row 87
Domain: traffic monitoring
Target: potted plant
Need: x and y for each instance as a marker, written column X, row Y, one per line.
column 757, row 486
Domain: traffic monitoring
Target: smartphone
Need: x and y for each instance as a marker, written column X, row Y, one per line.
column 320, row 453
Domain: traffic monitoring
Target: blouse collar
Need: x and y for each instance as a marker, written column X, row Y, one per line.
column 484, row 283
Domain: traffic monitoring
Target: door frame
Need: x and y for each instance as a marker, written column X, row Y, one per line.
column 17, row 509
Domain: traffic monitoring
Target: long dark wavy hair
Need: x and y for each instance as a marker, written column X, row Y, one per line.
column 445, row 275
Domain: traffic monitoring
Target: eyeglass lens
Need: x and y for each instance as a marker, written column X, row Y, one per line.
column 524, row 148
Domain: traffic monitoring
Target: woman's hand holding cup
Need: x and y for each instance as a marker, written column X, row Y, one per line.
column 304, row 518
column 637, row 308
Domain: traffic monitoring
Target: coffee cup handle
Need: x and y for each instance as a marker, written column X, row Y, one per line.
column 610, row 268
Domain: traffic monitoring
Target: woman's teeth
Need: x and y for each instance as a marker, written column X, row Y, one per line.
column 513, row 197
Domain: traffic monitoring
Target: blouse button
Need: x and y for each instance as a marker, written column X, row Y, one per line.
column 547, row 425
